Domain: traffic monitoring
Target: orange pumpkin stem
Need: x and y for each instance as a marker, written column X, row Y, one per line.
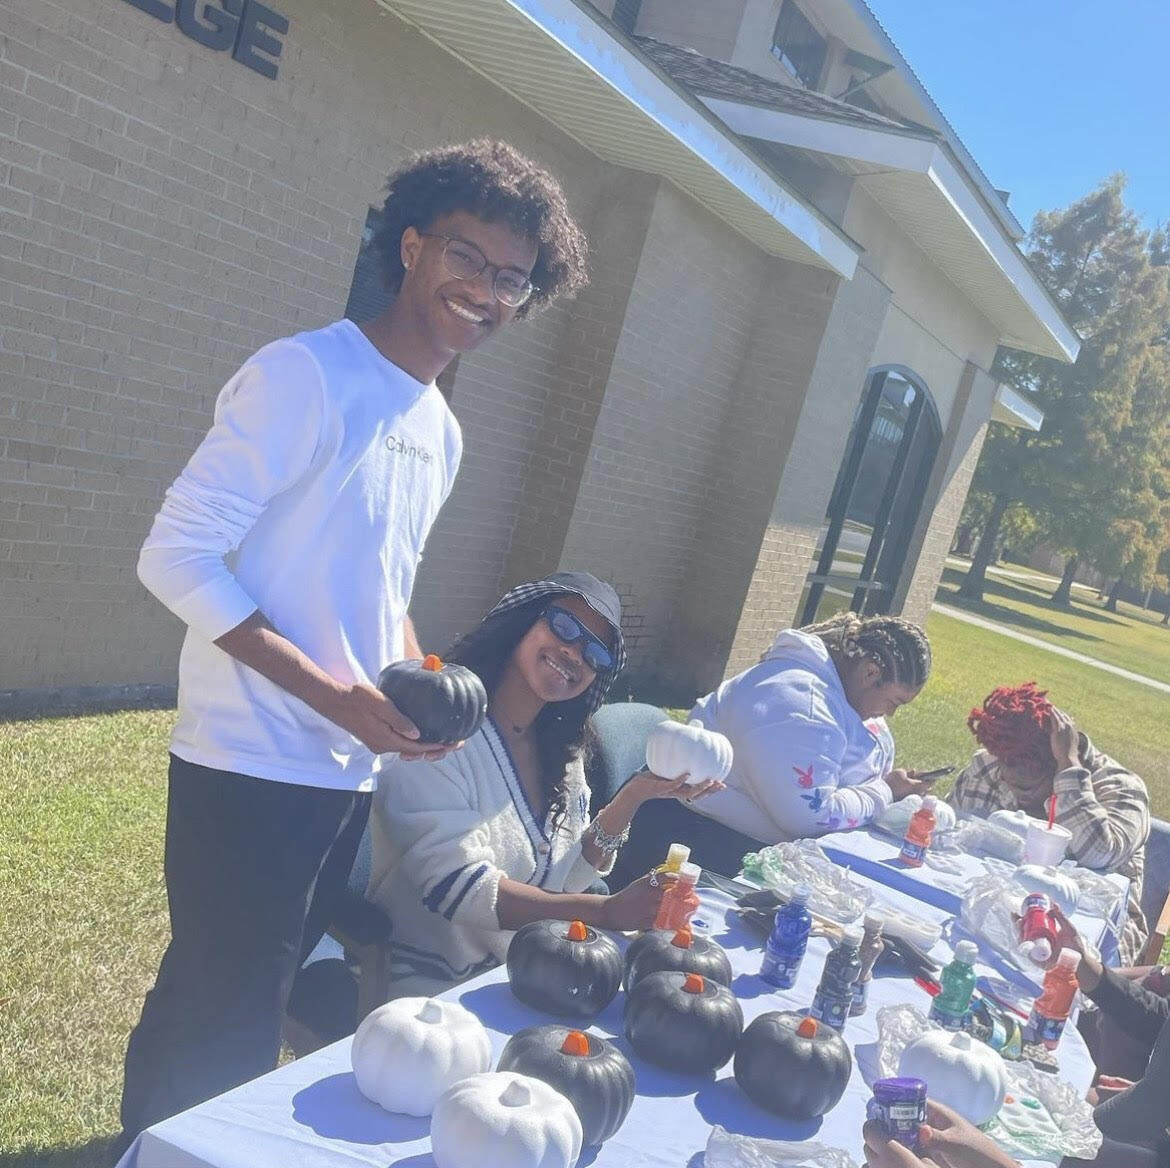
column 576, row 1043
column 683, row 939
column 807, row 1028
column 694, row 983
column 577, row 931
column 432, row 663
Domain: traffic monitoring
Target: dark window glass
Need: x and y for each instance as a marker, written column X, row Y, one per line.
column 798, row 45
column 368, row 295
column 861, row 551
column 625, row 14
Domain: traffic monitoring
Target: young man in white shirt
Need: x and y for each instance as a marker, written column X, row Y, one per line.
column 330, row 455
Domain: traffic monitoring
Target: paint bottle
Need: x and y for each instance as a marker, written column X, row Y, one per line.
column 899, row 1107
column 949, row 1008
column 871, row 949
column 834, row 995
column 784, row 950
column 676, row 856
column 919, row 833
column 1054, row 1005
column 680, row 900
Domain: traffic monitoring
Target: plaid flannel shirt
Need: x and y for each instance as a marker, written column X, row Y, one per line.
column 1105, row 806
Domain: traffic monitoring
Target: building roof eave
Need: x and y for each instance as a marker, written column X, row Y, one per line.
column 573, row 68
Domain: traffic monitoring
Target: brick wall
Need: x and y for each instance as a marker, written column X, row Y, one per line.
column 657, row 441
column 810, row 468
column 163, row 213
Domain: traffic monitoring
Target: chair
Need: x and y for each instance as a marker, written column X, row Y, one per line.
column 619, row 748
column 1156, row 890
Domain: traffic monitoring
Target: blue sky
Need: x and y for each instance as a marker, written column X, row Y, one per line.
column 1050, row 96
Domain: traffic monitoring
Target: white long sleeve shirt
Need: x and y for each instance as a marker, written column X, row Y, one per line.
column 805, row 762
column 309, row 499
column 444, row 835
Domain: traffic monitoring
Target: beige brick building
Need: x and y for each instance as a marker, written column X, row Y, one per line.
column 771, row 396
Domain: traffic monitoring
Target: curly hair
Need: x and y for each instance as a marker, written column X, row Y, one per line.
column 898, row 646
column 496, row 183
column 1013, row 725
column 563, row 730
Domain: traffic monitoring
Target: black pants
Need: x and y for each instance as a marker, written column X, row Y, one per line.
column 253, row 871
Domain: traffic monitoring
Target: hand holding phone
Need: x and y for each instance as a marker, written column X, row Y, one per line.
column 931, row 776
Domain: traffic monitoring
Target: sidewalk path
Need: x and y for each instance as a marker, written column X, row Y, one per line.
column 981, row 622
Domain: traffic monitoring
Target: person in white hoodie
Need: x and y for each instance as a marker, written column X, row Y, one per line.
column 813, row 753
column 288, row 546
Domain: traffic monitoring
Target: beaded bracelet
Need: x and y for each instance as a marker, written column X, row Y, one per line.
column 604, row 841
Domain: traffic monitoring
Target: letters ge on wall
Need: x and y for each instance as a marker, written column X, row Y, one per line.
column 246, row 27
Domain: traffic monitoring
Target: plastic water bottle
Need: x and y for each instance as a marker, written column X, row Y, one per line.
column 871, row 949
column 1054, row 1005
column 784, row 950
column 919, row 833
column 834, row 995
column 949, row 1008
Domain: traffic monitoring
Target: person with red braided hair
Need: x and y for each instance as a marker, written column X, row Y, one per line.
column 1032, row 752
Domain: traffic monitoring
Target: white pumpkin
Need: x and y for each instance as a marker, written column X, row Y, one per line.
column 674, row 750
column 504, row 1120
column 406, row 1053
column 1014, row 821
column 1059, row 887
column 959, row 1071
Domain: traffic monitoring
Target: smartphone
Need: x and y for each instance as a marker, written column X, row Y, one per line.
column 937, row 773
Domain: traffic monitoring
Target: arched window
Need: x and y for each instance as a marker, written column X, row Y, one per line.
column 861, row 552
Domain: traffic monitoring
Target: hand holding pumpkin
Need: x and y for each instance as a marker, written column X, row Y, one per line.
column 645, row 785
column 636, row 905
column 378, row 724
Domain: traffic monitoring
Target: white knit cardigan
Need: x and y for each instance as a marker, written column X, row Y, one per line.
column 444, row 834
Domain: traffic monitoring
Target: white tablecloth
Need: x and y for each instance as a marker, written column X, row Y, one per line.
column 309, row 1114
column 876, row 855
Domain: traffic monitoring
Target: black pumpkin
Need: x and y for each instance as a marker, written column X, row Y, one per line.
column 793, row 1066
column 447, row 703
column 592, row 1074
column 564, row 968
column 679, row 949
column 683, row 1022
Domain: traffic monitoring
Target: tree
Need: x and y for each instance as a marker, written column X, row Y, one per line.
column 1095, row 260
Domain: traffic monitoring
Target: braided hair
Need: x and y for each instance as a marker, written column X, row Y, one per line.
column 899, row 647
column 1013, row 724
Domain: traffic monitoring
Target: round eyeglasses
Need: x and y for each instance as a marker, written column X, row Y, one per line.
column 465, row 261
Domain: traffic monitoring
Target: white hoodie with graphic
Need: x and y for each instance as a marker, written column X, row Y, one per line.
column 805, row 762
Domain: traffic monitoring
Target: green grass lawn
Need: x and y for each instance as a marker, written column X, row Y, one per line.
column 84, row 924
column 81, row 895
column 1129, row 638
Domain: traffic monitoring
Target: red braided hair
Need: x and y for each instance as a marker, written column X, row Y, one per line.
column 1013, row 725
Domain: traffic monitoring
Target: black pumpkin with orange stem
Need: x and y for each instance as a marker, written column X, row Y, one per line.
column 447, row 703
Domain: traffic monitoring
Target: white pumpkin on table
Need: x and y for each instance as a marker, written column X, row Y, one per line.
column 406, row 1053
column 674, row 749
column 1014, row 821
column 959, row 1071
column 504, row 1120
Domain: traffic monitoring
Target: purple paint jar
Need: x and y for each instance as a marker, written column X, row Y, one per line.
column 899, row 1105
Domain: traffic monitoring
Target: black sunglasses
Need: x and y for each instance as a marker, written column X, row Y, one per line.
column 594, row 651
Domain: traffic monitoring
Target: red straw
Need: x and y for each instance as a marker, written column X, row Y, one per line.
column 1052, row 811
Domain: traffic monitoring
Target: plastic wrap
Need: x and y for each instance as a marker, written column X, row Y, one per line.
column 979, row 837
column 728, row 1150
column 782, row 867
column 1061, row 1126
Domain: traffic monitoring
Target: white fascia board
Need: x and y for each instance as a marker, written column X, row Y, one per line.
column 950, row 183
column 1013, row 409
column 591, row 43
column 906, row 152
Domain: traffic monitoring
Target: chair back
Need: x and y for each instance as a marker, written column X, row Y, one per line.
column 1156, row 883
column 619, row 750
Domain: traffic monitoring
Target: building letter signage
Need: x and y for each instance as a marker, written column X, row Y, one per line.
column 247, row 29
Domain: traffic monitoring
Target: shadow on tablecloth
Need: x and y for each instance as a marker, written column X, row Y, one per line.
column 335, row 1109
